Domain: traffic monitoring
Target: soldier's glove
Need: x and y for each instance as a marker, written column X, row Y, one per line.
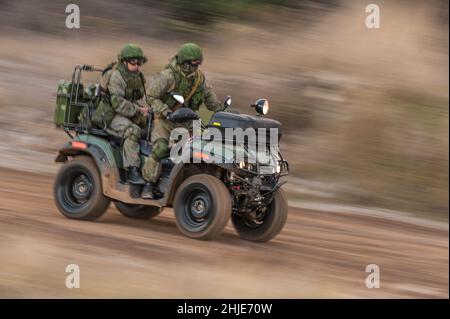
column 166, row 112
column 144, row 110
column 169, row 115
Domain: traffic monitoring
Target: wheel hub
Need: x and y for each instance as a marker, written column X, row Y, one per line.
column 199, row 207
column 81, row 188
column 196, row 212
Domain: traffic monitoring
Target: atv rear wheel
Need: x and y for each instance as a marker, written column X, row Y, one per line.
column 202, row 206
column 78, row 190
column 137, row 211
column 266, row 225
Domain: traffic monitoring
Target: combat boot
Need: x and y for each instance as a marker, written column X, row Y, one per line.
column 134, row 176
column 147, row 191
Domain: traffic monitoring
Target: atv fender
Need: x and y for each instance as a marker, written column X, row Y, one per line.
column 106, row 165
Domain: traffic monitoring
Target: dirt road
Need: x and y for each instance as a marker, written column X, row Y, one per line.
column 317, row 255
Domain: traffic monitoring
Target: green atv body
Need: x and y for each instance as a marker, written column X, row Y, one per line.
column 204, row 194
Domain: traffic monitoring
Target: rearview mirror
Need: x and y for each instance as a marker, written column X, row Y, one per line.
column 261, row 106
column 227, row 102
column 179, row 98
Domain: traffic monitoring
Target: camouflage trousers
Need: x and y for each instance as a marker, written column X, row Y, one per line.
column 160, row 135
column 131, row 133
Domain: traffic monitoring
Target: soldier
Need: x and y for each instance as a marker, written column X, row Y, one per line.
column 181, row 75
column 123, row 112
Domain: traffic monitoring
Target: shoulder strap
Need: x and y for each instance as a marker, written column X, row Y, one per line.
column 143, row 82
column 109, row 67
column 194, row 88
column 106, row 76
column 197, row 83
column 176, row 75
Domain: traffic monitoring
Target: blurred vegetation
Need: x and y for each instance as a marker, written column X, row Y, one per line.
column 207, row 11
column 399, row 153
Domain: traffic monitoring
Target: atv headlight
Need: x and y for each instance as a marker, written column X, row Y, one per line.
column 278, row 169
column 246, row 166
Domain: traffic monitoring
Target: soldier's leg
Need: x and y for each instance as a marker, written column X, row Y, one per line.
column 151, row 169
column 130, row 148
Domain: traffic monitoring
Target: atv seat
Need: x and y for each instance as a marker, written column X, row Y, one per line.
column 145, row 147
column 117, row 141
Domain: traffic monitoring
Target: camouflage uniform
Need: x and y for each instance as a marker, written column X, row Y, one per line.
column 127, row 121
column 119, row 111
column 174, row 78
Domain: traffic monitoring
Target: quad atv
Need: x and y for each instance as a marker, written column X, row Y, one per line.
column 203, row 194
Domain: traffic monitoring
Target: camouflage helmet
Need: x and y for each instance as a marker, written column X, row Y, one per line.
column 131, row 51
column 188, row 52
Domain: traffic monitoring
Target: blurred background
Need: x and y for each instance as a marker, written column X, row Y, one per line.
column 364, row 111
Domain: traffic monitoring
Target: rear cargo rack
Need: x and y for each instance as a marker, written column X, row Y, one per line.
column 75, row 106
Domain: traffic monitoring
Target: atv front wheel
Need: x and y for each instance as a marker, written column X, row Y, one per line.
column 266, row 225
column 137, row 211
column 78, row 190
column 202, row 206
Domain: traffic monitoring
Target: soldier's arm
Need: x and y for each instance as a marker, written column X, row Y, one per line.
column 212, row 102
column 120, row 104
column 158, row 86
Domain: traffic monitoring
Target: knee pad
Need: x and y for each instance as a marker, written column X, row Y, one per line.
column 151, row 170
column 160, row 149
column 132, row 132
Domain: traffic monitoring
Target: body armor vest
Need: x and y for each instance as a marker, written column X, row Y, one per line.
column 184, row 86
column 134, row 91
column 135, row 83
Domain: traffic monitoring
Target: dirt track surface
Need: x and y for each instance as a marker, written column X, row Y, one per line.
column 318, row 254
